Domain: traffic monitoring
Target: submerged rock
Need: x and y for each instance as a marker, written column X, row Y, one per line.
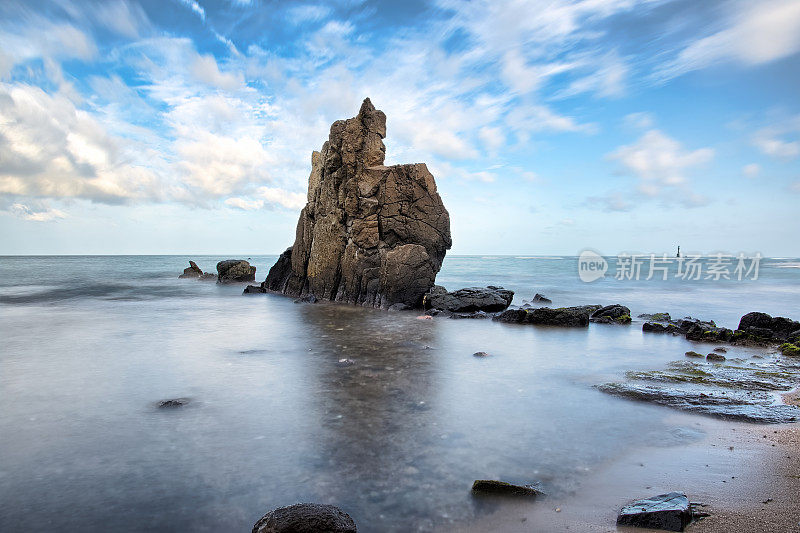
column 481, row 354
column 192, row 272
column 692, row 353
column 612, row 314
column 370, row 234
column 235, row 270
column 715, row 357
column 671, row 511
column 489, row 299
column 500, row 488
column 254, row 289
column 305, row 518
column 172, row 403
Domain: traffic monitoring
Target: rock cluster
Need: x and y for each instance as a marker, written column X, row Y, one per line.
column 754, row 328
column 612, row 314
column 235, row 270
column 370, row 234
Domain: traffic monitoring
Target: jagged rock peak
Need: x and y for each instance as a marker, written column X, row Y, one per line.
column 370, row 234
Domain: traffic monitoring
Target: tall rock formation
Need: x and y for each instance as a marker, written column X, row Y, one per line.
column 370, row 234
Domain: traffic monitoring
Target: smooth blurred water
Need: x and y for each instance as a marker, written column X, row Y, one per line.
column 90, row 344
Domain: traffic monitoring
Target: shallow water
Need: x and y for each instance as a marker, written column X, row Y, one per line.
column 90, row 345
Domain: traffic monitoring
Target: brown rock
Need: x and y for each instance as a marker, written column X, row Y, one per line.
column 370, row 234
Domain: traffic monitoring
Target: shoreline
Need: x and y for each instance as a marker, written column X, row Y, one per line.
column 746, row 475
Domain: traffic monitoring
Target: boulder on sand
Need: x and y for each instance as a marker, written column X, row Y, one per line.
column 671, row 511
column 489, row 299
column 192, row 272
column 235, row 270
column 306, row 518
column 502, row 488
column 370, row 234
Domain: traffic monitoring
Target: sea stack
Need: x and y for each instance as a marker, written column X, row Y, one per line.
column 370, row 234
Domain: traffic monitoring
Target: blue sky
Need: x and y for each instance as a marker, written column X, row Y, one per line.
column 186, row 126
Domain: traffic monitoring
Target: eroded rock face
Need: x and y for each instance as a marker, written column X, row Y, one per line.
column 370, row 234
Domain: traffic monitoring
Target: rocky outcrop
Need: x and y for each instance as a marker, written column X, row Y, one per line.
column 765, row 327
column 670, row 511
column 235, row 270
column 192, row 272
column 306, row 518
column 370, row 234
column 489, row 299
column 577, row 316
column 612, row 314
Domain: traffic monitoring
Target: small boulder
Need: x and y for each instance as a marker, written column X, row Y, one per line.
column 488, row 299
column 541, row 299
column 693, row 354
column 512, row 316
column 305, row 518
column 481, row 354
column 235, row 270
column 762, row 327
column 670, row 511
column 715, row 357
column 721, row 349
column 612, row 314
column 192, row 272
column 787, row 348
column 501, row 488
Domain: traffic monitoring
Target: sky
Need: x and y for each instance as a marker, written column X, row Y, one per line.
column 187, row 126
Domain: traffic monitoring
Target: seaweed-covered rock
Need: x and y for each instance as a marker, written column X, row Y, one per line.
column 692, row 353
column 235, row 270
column 671, row 511
column 612, row 314
column 489, row 299
column 306, row 518
column 370, row 234
column 192, row 272
column 715, row 357
column 708, row 332
column 787, row 348
column 492, row 487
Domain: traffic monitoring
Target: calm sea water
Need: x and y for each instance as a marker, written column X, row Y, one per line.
column 90, row 344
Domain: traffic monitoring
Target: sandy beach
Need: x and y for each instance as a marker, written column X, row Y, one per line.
column 745, row 475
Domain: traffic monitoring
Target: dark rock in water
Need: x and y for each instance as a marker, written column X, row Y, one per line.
column 512, row 316
column 501, row 488
column 192, row 272
column 476, row 314
column 174, row 402
column 656, row 317
column 692, row 328
column 708, row 332
column 370, row 234
column 208, row 277
column 659, row 327
column 693, row 354
column 235, row 270
column 481, row 354
column 577, row 316
column 715, row 357
column 670, row 511
column 489, row 299
column 763, row 327
column 306, row 518
column 721, row 349
column 541, row 299
column 612, row 314
column 254, row 289
column 787, row 348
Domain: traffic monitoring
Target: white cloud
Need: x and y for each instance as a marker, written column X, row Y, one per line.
column 751, row 171
column 43, row 215
column 269, row 197
column 781, row 139
column 205, row 69
column 639, row 120
column 305, row 13
column 660, row 162
column 122, row 17
column 195, row 7
column 756, row 33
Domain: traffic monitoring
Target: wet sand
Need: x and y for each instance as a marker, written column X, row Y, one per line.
column 746, row 475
